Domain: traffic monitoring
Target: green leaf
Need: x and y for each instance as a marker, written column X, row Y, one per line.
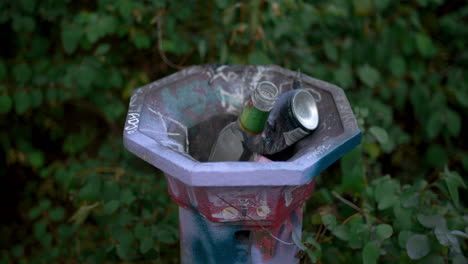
column 23, row 23
column 434, row 125
column 384, row 231
column 125, row 217
column 410, row 199
column 344, row 76
column 28, row 5
column 56, row 214
column 18, row 251
column 123, row 252
column 125, row 8
column 423, row 3
column 44, row 204
column 330, row 50
column 141, row 231
column 432, row 259
column 40, row 229
column 36, row 98
column 459, row 234
column 85, row 76
column 22, row 73
column 403, row 217
column 341, row 232
column 125, row 240
column 141, row 40
column 311, row 240
column 456, row 177
column 436, row 156
column 452, row 185
column 459, row 259
column 164, row 235
column 417, row 246
column 370, row 253
column 368, row 75
column 424, row 45
column 114, row 110
column 102, row 49
column 34, row 213
column 127, row 196
column 379, row 133
column 92, row 188
column 431, row 221
column 453, row 122
column 111, row 206
column 387, row 201
column 36, row 158
column 329, row 221
column 442, row 234
column 5, row 103
column 385, row 194
column 76, row 142
column 99, row 26
column 373, row 149
column 146, row 245
column 461, row 95
column 82, row 213
column 397, row 66
column 382, row 5
column 465, row 162
column 403, row 237
column 22, row 102
column 71, row 36
column 352, row 169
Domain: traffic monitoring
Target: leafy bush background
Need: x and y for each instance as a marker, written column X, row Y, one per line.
column 72, row 194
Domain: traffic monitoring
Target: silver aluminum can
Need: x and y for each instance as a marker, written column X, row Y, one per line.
column 294, row 116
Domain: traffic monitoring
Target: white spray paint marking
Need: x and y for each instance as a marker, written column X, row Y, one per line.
column 320, row 150
column 231, row 101
column 132, row 121
column 172, row 145
column 133, row 100
column 183, row 127
column 256, row 78
column 281, row 89
column 173, row 186
column 241, row 200
column 317, row 95
column 192, row 196
column 288, row 197
column 231, row 76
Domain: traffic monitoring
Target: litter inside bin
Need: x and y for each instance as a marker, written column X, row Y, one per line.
column 186, row 113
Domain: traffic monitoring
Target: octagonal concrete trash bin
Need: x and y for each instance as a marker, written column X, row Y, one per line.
column 234, row 212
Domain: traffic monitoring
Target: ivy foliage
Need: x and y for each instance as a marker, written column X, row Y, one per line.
column 67, row 69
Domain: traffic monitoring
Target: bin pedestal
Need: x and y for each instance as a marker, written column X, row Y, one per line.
column 205, row 242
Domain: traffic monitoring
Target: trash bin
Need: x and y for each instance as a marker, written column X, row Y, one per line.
column 234, row 212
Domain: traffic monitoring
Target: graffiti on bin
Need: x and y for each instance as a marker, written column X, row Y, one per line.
column 133, row 119
column 247, row 204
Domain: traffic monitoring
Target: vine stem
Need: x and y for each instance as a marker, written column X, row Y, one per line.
column 355, row 207
column 160, row 49
column 341, row 198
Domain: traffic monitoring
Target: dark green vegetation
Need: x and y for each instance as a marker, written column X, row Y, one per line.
column 71, row 193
